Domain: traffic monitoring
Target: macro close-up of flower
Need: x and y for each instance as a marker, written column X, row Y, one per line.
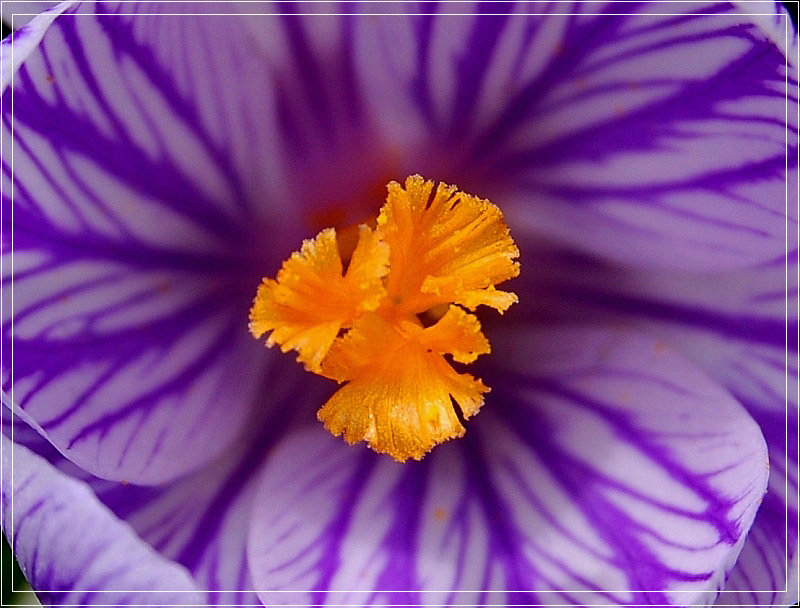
column 401, row 304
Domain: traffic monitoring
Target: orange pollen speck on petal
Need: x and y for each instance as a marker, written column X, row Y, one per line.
column 435, row 252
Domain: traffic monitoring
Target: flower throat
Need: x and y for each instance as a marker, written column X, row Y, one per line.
column 434, row 253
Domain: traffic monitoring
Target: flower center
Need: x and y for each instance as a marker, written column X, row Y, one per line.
column 383, row 326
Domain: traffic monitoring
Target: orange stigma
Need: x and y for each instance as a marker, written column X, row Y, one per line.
column 434, row 253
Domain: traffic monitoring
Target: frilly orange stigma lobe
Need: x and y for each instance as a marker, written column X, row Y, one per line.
column 433, row 250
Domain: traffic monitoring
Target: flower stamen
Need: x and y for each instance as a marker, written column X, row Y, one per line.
column 312, row 300
column 433, row 252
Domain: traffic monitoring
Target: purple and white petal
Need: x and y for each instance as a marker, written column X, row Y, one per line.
column 134, row 242
column 742, row 328
column 73, row 550
column 15, row 13
column 604, row 469
column 334, row 162
column 765, row 380
column 24, row 41
column 201, row 520
column 652, row 133
column 773, row 22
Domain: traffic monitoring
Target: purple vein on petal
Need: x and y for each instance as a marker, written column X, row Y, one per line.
column 310, row 75
column 420, row 89
column 503, row 544
column 141, row 405
column 334, row 535
column 580, row 42
column 762, row 330
column 643, row 568
column 120, row 33
column 161, row 180
column 717, row 510
column 402, row 542
column 471, row 68
column 626, row 131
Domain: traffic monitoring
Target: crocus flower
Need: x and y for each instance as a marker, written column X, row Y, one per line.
column 639, row 443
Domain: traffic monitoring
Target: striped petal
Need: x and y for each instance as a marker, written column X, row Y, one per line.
column 742, row 328
column 15, row 13
column 765, row 381
column 25, row 39
column 653, row 133
column 132, row 243
column 73, row 550
column 771, row 17
column 604, row 469
column 200, row 522
column 334, row 162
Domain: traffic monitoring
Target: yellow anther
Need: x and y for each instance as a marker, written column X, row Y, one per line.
column 311, row 300
column 400, row 389
column 433, row 251
column 445, row 247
